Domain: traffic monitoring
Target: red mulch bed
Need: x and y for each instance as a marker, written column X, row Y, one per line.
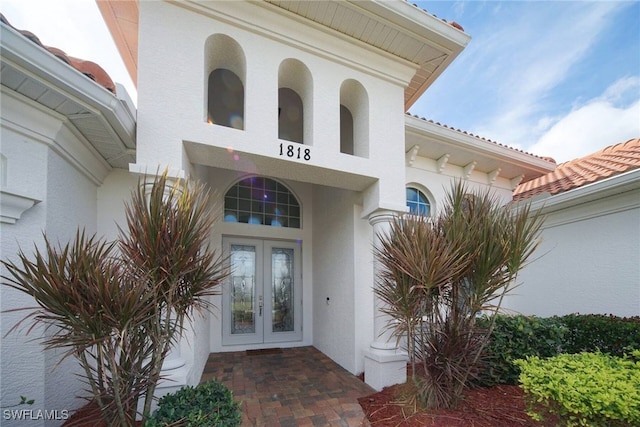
column 88, row 416
column 500, row 406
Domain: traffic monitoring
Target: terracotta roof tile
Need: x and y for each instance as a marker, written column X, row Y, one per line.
column 454, row 24
column 88, row 68
column 608, row 162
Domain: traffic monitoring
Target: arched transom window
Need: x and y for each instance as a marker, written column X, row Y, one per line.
column 417, row 202
column 263, row 201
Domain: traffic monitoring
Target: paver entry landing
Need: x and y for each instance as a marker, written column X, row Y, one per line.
column 290, row 387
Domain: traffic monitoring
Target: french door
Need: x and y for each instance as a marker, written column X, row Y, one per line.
column 262, row 299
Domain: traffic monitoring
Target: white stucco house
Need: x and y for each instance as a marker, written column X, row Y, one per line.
column 294, row 114
column 589, row 258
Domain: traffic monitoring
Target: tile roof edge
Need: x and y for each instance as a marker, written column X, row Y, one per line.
column 481, row 138
column 88, row 68
column 533, row 187
column 454, row 24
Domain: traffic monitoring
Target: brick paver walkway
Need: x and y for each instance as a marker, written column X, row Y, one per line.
column 290, row 387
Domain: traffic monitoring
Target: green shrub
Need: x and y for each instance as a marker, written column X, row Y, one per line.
column 516, row 337
column 604, row 333
column 586, row 389
column 208, row 404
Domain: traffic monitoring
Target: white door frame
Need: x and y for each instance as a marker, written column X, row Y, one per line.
column 262, row 302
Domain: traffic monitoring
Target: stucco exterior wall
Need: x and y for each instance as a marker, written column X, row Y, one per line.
column 22, row 362
column 112, row 195
column 334, row 276
column 172, row 126
column 41, row 164
column 70, row 204
column 435, row 185
column 588, row 261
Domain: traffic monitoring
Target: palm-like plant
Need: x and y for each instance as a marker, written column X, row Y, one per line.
column 440, row 274
column 166, row 248
column 118, row 307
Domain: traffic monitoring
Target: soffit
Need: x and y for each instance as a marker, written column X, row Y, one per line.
column 97, row 114
column 395, row 27
column 121, row 17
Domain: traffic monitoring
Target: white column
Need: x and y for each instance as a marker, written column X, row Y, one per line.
column 173, row 360
column 384, row 364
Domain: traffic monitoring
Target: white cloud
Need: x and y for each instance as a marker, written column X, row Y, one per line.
column 609, row 119
column 536, row 63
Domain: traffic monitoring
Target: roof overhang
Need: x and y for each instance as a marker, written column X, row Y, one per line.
column 392, row 26
column 121, row 17
column 433, row 141
column 103, row 119
column 618, row 184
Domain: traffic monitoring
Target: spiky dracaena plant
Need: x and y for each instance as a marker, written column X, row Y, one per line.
column 439, row 274
column 165, row 246
column 119, row 307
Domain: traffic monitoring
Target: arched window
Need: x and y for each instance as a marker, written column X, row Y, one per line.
column 225, row 99
column 354, row 119
column 224, row 79
column 290, row 115
column 417, row 202
column 263, row 201
column 346, row 130
column 295, row 106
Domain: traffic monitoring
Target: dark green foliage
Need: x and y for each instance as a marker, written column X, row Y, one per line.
column 208, row 404
column 585, row 389
column 597, row 332
column 516, row 337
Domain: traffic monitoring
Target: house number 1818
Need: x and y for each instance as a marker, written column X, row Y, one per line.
column 295, row 152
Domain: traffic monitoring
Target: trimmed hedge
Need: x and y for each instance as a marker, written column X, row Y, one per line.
column 208, row 404
column 585, row 389
column 517, row 337
column 594, row 332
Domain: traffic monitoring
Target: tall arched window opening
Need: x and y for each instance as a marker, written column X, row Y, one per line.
column 262, row 201
column 295, row 106
column 225, row 99
column 224, row 82
column 290, row 115
column 354, row 119
column 346, row 130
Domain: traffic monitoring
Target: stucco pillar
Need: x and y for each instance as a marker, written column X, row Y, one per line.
column 384, row 363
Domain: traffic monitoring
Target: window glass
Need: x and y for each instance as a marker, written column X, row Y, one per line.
column 290, row 116
column 346, row 130
column 225, row 99
column 262, row 201
column 417, row 202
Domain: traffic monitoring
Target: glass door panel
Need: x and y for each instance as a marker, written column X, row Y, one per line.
column 243, row 279
column 282, row 293
column 242, row 293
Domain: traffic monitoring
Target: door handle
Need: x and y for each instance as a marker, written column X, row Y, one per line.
column 260, row 304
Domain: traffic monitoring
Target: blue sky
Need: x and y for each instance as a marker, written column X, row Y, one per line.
column 555, row 78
